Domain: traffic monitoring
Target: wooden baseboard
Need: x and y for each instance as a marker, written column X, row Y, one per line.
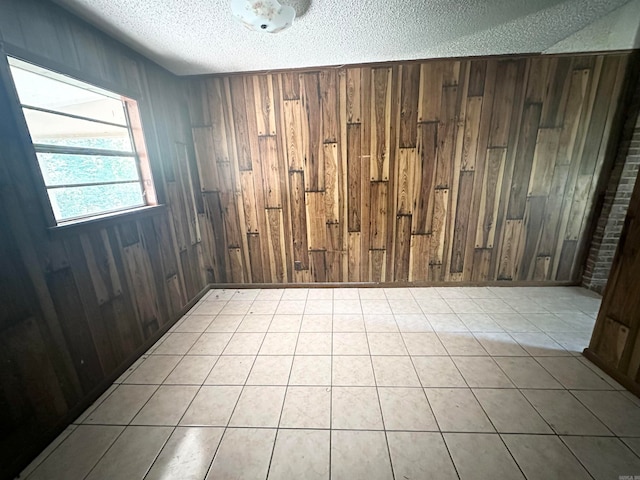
column 623, row 380
column 394, row 284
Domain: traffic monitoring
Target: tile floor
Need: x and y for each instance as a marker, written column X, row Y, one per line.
column 346, row 383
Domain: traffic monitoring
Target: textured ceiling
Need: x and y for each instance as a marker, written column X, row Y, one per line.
column 200, row 36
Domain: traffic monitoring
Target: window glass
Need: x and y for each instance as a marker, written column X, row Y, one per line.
column 83, row 141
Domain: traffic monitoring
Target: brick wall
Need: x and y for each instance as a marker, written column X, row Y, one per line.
column 615, row 204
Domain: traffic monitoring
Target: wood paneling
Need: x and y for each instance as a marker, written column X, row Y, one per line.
column 437, row 171
column 615, row 338
column 78, row 306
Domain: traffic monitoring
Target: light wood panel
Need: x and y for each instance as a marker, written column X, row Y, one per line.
column 439, row 171
column 78, row 307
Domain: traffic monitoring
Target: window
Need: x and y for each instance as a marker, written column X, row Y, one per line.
column 88, row 142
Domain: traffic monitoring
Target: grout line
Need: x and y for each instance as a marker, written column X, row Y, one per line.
column 225, row 428
column 286, row 388
column 375, row 381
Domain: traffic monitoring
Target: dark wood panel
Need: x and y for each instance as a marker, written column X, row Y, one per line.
column 77, row 306
column 487, row 157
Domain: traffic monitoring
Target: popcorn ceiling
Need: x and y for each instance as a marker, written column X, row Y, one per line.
column 200, row 36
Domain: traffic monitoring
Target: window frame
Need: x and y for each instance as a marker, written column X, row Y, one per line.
column 139, row 152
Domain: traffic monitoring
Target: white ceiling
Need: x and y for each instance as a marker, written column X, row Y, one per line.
column 200, row 36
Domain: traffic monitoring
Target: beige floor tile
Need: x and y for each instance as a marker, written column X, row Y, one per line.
column 616, row 411
column 376, row 307
column 359, row 455
column 457, row 410
column 225, row 324
column 510, row 412
column 424, row 293
column 386, row 344
column 481, row 456
column 247, row 294
column 406, row 409
column 350, row 344
column 345, row 293
column 307, row 407
column 479, row 322
column 318, row 307
column 285, row 323
column 154, row 370
column 450, row 292
column 317, row 323
column 212, row 406
column 438, row 372
column 44, row 454
column 463, row 305
column 352, row 371
column 230, row 370
column 210, row 344
column 372, row 293
column 420, row 455
column 78, row 453
column 355, row 408
column 525, row 372
column 314, row 343
column 300, row 454
column 258, row 323
column 195, row 324
column 236, row 307
column 461, row 343
column 244, row 344
column 413, row 323
column 514, row 322
column 208, row 308
column 571, row 373
column 348, row 322
column 320, row 294
column 394, row 372
column 187, row 454
column 604, row 457
column 434, row 305
column 132, row 454
column 542, row 457
column 482, row 372
column 565, row 414
column 500, row 344
column 291, row 307
column 540, row 344
column 264, row 307
column 270, row 294
column 122, row 405
column 401, row 306
column 249, row 448
column 446, row 322
column 279, row 344
column 494, row 305
column 382, row 323
column 258, row 407
column 166, row 406
column 398, row 293
column 311, row 370
column 270, row 370
column 192, row 370
column 295, row 294
column 424, row 344
column 346, row 307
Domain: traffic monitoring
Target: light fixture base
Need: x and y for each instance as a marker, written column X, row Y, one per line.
column 263, row 15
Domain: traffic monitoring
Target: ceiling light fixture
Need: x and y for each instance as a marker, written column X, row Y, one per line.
column 263, row 15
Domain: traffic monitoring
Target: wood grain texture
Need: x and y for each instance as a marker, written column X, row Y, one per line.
column 78, row 306
column 447, row 170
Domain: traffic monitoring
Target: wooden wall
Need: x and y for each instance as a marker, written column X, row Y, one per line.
column 615, row 344
column 78, row 306
column 450, row 170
